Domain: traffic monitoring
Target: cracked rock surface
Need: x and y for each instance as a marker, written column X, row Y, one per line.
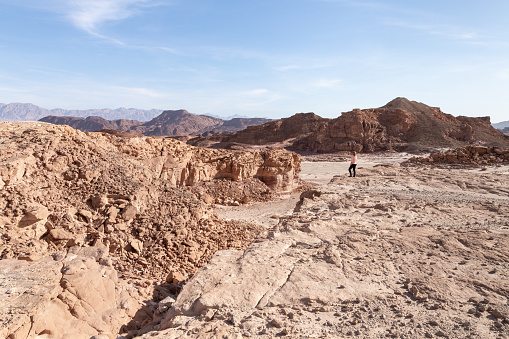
column 394, row 252
column 64, row 296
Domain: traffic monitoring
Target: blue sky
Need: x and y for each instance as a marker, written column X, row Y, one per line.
column 256, row 58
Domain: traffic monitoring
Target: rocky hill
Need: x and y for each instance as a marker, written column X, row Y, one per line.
column 168, row 123
column 29, row 112
column 178, row 122
column 396, row 253
column 400, row 125
column 101, row 204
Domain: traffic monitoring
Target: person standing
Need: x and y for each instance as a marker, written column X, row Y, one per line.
column 353, row 164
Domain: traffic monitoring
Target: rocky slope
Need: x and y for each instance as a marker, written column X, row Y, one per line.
column 168, row 123
column 179, row 122
column 91, row 123
column 400, row 125
column 103, row 204
column 396, row 252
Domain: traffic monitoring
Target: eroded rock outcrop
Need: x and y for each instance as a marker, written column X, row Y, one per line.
column 103, row 204
column 394, row 252
column 62, row 188
column 399, row 125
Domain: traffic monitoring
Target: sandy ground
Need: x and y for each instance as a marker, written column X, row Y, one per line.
column 314, row 172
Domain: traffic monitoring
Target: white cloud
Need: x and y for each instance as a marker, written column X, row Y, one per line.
column 325, row 83
column 89, row 14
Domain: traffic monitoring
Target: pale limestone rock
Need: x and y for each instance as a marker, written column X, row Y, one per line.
column 14, row 169
column 61, row 234
column 73, row 297
column 137, row 245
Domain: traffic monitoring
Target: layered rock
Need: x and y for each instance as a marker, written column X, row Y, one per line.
column 399, row 125
column 396, row 252
column 298, row 125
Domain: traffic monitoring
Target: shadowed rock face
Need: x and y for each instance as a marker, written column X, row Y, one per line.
column 400, row 125
column 298, row 125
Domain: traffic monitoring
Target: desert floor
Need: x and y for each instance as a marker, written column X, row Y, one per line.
column 398, row 252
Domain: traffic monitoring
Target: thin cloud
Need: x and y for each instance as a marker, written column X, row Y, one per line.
column 88, row 15
column 452, row 32
column 326, row 83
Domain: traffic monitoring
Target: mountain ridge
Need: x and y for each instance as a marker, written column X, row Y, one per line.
column 501, row 125
column 168, row 123
column 16, row 111
column 400, row 125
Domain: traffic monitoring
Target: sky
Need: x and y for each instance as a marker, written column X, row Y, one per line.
column 264, row 58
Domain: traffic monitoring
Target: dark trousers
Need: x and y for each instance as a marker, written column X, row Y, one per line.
column 352, row 167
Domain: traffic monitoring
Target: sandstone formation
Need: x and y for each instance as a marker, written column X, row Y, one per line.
column 168, row 123
column 298, row 125
column 103, row 237
column 64, row 296
column 399, row 125
column 129, row 199
column 396, row 252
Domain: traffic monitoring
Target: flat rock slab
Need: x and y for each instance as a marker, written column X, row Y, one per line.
column 394, row 252
column 25, row 287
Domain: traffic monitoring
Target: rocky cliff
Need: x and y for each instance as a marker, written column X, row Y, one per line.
column 399, row 125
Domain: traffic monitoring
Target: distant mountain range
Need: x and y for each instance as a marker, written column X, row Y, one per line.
column 152, row 122
column 501, row 125
column 168, row 123
column 31, row 112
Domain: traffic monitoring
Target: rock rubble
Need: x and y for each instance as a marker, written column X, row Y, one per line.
column 129, row 199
